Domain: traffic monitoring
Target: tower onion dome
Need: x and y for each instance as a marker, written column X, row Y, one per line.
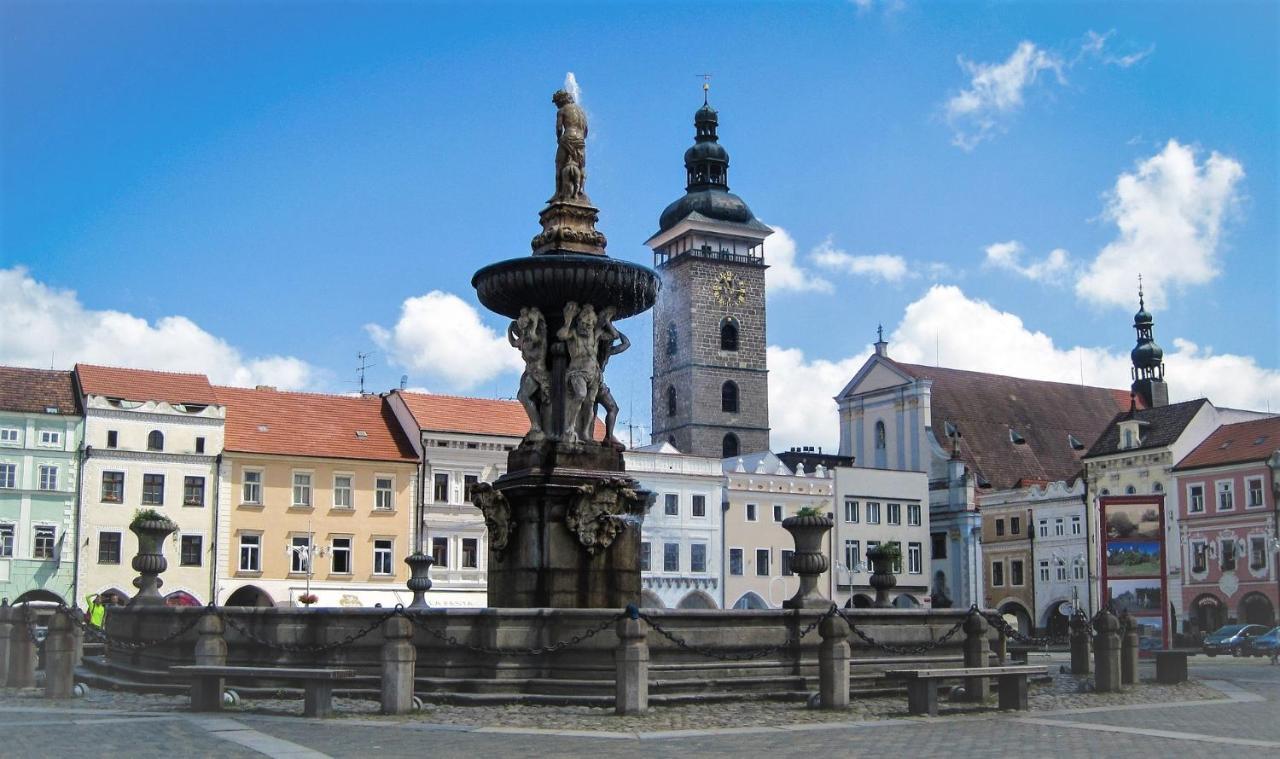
column 1146, row 354
column 706, row 165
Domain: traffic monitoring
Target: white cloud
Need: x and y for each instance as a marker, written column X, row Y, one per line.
column 784, row 274
column 946, row 327
column 996, row 91
column 881, row 266
column 1095, row 46
column 441, row 336
column 886, row 6
column 43, row 325
column 1170, row 212
column 1008, row 256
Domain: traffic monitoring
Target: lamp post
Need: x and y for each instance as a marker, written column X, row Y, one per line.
column 305, row 554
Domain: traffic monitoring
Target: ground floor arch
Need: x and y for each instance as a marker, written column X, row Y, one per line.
column 250, row 595
column 1017, row 616
column 1256, row 609
column 1055, row 622
column 750, row 600
column 181, row 598
column 859, row 601
column 650, row 600
column 40, row 596
column 906, row 601
column 697, row 600
column 1208, row 612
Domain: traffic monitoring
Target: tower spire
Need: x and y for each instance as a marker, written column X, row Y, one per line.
column 1148, row 358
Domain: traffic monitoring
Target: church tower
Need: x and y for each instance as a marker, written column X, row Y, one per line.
column 1148, row 359
column 710, row 378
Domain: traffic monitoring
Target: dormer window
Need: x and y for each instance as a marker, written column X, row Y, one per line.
column 155, row 441
column 1130, row 434
column 1016, row 437
column 1075, row 443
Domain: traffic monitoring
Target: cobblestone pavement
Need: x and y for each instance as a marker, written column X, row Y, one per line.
column 1232, row 709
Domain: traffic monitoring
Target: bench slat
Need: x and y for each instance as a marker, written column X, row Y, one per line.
column 932, row 674
column 279, row 673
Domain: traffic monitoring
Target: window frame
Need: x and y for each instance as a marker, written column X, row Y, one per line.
column 1249, row 490
column 670, row 557
column 646, row 556
column 671, row 504
column 915, row 558
column 779, row 513
column 1017, row 573
column 387, row 494
column 693, row 558
column 347, row 551
column 152, row 437
column 251, row 550
column 1227, row 488
column 437, row 482
column 767, row 553
column 698, row 507
column 1195, row 499
column 1043, row 569
column 47, row 477
column 10, row 480
column 872, row 512
column 187, row 481
column 893, row 513
column 852, row 554
column 297, row 564
column 149, row 489
column 440, row 550
column 309, row 489
column 737, row 558
column 389, row 552
column 474, row 562
column 182, row 550
column 335, row 500
column 246, row 484
column 9, row 546
column 49, row 438
column 44, row 548
column 751, row 512
column 14, row 439
column 915, row 516
column 997, row 573
column 103, row 494
column 850, row 510
column 119, row 547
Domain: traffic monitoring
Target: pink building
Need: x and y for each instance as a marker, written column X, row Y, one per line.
column 1230, row 531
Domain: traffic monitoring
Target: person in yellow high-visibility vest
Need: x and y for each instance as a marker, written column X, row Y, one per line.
column 95, row 609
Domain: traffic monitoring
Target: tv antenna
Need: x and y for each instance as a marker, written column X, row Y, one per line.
column 364, row 364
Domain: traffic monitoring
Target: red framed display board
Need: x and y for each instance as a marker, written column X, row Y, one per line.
column 1133, row 563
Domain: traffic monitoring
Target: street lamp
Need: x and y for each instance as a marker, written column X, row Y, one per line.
column 305, row 554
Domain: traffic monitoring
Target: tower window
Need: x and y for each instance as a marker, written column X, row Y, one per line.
column 880, row 436
column 155, row 441
column 728, row 335
column 671, row 339
column 671, row 400
column 729, row 446
column 729, row 397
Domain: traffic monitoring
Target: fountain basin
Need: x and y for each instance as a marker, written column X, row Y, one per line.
column 550, row 281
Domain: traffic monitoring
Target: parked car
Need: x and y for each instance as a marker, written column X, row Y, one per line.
column 1230, row 639
column 1266, row 644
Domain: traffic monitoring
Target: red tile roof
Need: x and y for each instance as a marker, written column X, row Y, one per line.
column 985, row 407
column 475, row 416
column 312, row 425
column 144, row 385
column 1236, row 443
column 37, row 390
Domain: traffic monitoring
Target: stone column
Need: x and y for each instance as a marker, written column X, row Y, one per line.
column 833, row 663
column 211, row 651
column 976, row 689
column 399, row 660
column 1128, row 649
column 6, row 629
column 1079, row 644
column 59, row 657
column 631, row 662
column 22, row 650
column 1106, row 653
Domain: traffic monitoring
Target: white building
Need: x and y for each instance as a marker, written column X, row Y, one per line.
column 1059, row 552
column 683, row 536
column 152, row 440
column 874, row 507
column 462, row 441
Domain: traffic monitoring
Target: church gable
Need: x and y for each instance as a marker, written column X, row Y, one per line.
column 877, row 374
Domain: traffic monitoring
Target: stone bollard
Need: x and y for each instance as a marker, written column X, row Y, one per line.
column 60, row 657
column 6, row 629
column 1106, row 653
column 1079, row 644
column 211, row 651
column 399, row 660
column 976, row 689
column 22, row 650
column 1000, row 646
column 1128, row 649
column 833, row 663
column 631, row 664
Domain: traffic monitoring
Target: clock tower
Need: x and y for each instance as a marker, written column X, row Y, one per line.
column 710, row 378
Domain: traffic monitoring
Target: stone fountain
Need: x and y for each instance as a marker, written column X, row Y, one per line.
column 564, row 521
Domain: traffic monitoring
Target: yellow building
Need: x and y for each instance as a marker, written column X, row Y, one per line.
column 316, row 494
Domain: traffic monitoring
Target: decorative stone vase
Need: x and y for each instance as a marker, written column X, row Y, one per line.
column 882, row 578
column 809, row 560
column 150, row 562
column 419, row 565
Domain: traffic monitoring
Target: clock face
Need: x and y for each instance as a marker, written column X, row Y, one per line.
column 727, row 289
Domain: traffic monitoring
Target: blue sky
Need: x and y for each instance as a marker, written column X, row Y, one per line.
column 245, row 188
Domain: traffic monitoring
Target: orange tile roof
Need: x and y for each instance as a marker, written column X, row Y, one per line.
column 144, row 385
column 475, row 416
column 1238, row 443
column 37, row 390
column 312, row 424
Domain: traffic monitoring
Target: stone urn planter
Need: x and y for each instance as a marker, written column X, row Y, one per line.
column 419, row 565
column 883, row 557
column 809, row 560
column 151, row 529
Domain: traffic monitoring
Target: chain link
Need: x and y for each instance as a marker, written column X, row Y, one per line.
column 77, row 618
column 751, row 655
column 901, row 650
column 559, row 646
column 304, row 648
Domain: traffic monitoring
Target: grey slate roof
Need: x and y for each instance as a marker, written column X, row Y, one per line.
column 1164, row 424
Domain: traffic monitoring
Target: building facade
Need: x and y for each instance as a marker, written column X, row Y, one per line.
column 874, row 507
column 1059, row 552
column 316, row 495
column 682, row 538
column 710, row 394
column 40, row 435
column 1227, row 504
column 152, row 441
column 1006, row 546
column 460, row 442
column 760, row 492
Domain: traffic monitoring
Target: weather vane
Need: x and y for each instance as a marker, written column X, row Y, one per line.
column 706, row 87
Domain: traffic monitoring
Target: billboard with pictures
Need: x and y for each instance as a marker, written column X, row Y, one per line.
column 1133, row 563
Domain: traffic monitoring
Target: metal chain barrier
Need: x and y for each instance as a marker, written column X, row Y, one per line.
column 901, row 650
column 451, row 640
column 1002, row 625
column 29, row 624
column 303, row 648
column 77, row 618
column 757, row 653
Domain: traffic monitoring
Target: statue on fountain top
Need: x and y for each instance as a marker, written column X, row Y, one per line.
column 569, row 220
column 571, row 150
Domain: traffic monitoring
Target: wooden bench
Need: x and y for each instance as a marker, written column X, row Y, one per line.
column 1171, row 666
column 922, row 684
column 206, row 684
